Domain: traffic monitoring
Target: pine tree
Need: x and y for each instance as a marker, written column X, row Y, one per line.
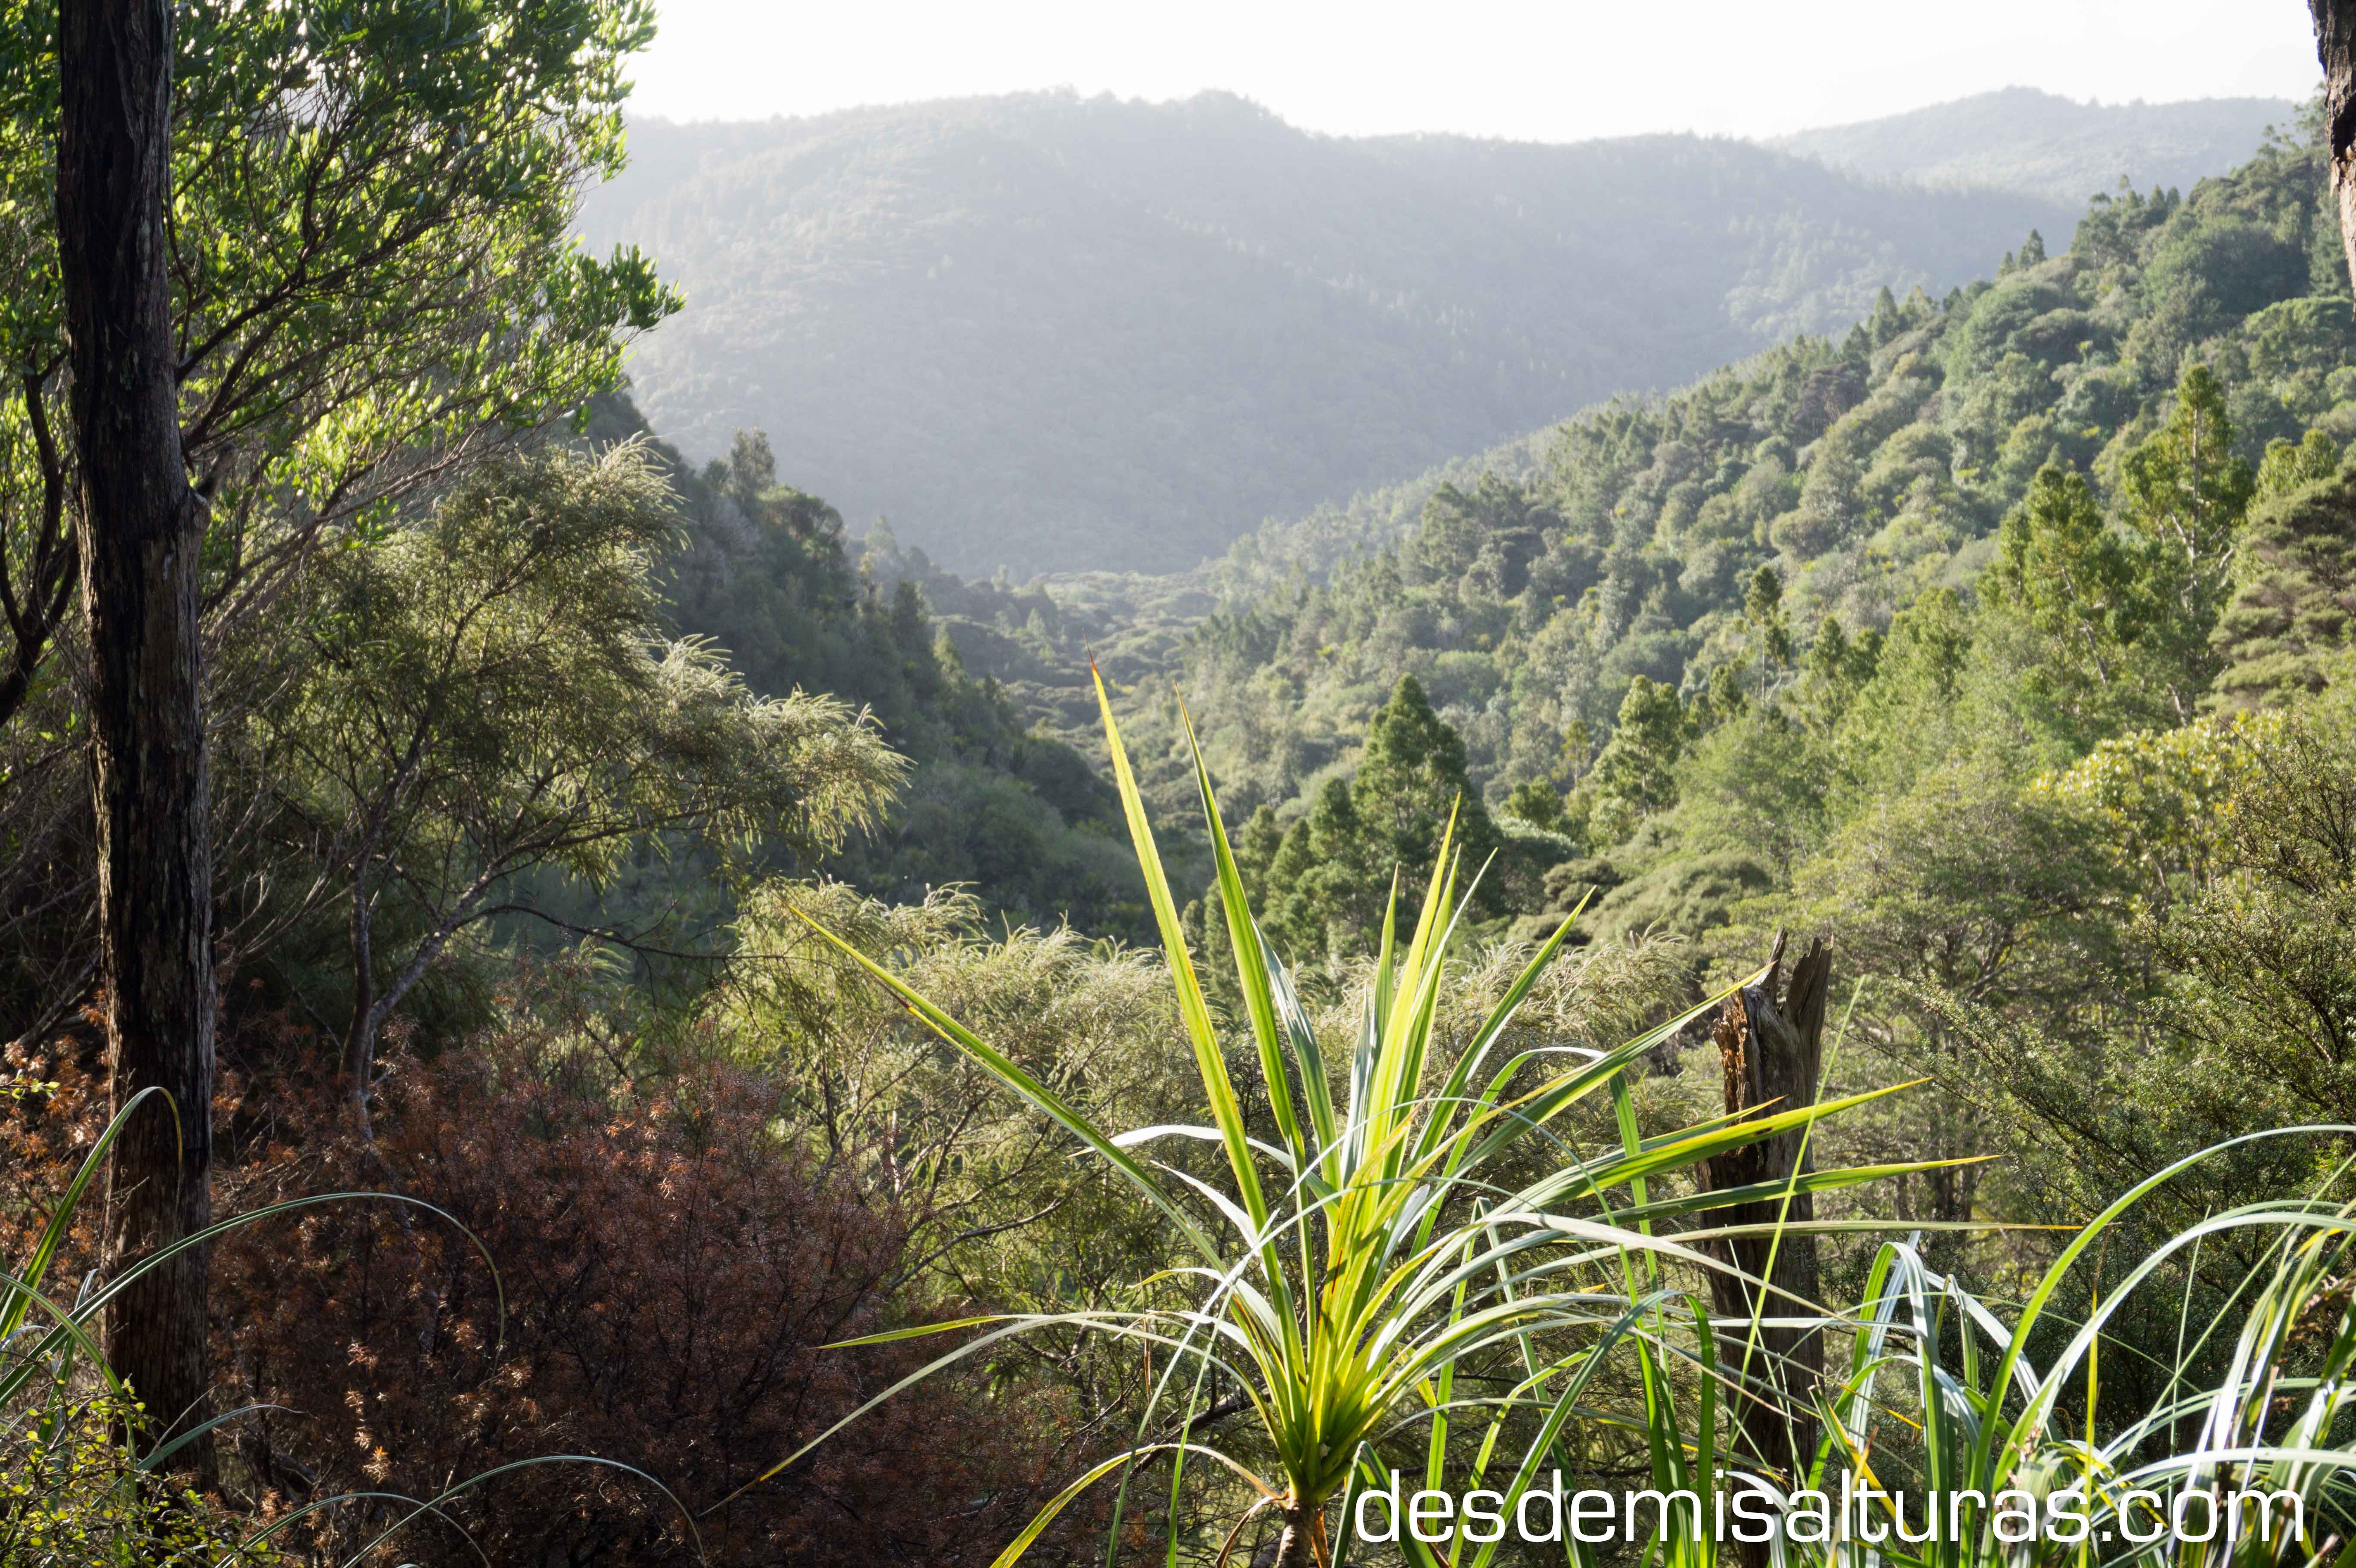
column 1411, row 774
column 1887, row 321
column 1256, row 852
column 1637, row 769
column 2073, row 581
column 1762, row 606
column 2186, row 489
column 2295, row 592
column 2289, row 465
column 1537, row 803
column 1325, row 895
column 1329, row 876
column 751, row 471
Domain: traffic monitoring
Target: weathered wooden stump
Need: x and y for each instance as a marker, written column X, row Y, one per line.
column 1771, row 1048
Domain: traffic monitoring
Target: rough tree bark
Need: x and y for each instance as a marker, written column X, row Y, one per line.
column 1772, row 1052
column 2335, row 47
column 143, row 529
column 1301, row 1545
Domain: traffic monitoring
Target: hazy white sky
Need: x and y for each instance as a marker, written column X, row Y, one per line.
column 1539, row 70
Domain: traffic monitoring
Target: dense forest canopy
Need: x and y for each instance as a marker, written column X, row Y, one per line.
column 1719, row 659
column 1862, row 470
column 1930, row 633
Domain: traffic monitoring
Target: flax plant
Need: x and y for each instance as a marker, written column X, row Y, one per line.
column 1376, row 1240
column 2253, row 1468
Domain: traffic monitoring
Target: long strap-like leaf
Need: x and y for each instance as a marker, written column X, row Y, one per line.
column 1226, row 1109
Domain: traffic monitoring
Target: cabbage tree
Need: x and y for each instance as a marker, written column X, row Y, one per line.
column 1384, row 1228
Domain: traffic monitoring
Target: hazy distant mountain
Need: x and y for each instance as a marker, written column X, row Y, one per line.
column 1055, row 333
column 2024, row 140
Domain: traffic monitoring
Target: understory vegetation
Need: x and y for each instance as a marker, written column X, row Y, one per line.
column 1804, row 927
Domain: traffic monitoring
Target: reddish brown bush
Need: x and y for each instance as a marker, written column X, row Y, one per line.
column 673, row 1269
column 670, row 1271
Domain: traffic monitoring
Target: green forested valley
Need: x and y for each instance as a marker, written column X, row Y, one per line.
column 570, row 995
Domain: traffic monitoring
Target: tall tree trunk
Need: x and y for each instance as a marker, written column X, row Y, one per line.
column 1772, row 1052
column 2335, row 46
column 144, row 532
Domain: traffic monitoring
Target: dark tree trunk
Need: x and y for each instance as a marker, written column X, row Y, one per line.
column 142, row 533
column 2335, row 46
column 1772, row 1052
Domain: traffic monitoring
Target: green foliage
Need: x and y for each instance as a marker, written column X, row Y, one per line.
column 485, row 695
column 1413, row 762
column 2263, row 946
column 2289, row 465
column 1321, row 880
column 1723, row 528
column 870, row 1090
column 2072, row 582
column 1364, row 1322
column 1536, row 803
column 374, row 285
column 2185, row 490
column 372, row 258
column 765, row 572
column 1634, row 774
column 70, row 1494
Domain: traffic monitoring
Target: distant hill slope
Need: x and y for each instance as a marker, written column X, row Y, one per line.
column 2023, row 140
column 1051, row 333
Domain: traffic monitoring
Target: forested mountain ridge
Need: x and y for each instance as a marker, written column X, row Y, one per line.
column 1059, row 334
column 2039, row 142
column 1689, row 569
column 489, row 1054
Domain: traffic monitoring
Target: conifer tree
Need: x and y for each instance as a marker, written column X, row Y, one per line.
column 2186, row 489
column 1328, row 878
column 1636, row 772
column 2295, row 592
column 1762, row 606
column 1325, row 898
column 2067, row 575
column 2289, row 465
column 1411, row 775
column 1535, row 802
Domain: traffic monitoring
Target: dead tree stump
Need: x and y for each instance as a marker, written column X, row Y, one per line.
column 1771, row 1050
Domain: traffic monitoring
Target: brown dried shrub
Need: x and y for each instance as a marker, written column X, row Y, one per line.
column 673, row 1269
